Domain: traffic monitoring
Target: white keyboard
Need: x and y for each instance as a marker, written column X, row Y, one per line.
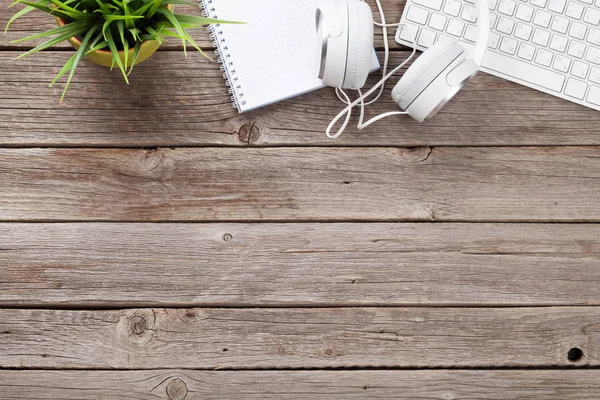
column 549, row 45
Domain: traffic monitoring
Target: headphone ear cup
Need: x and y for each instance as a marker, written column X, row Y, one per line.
column 360, row 44
column 425, row 70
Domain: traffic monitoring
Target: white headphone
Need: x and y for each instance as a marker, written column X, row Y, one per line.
column 345, row 35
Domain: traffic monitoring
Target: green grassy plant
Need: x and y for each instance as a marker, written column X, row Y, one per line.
column 111, row 25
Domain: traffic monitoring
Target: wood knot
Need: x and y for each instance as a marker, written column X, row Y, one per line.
column 329, row 352
column 249, row 133
column 177, row 389
column 137, row 325
column 154, row 158
column 414, row 155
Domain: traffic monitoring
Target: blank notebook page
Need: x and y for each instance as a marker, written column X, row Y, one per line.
column 273, row 56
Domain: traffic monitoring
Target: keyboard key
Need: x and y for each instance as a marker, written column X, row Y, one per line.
column 523, row 31
column 437, row 21
column 542, row 18
column 575, row 88
column 507, row 7
column 452, row 7
column 561, row 63
column 594, row 95
column 574, row 10
column 595, row 75
column 505, row 25
column 577, row 30
column 434, row 4
column 526, row 51
column 522, row 70
column 417, row 14
column 544, row 57
column 493, row 18
column 508, row 45
column 576, row 49
column 426, row 38
column 539, row 3
column 492, row 4
column 587, row 1
column 471, row 33
column 524, row 13
column 469, row 13
column 560, row 24
column 580, row 69
column 446, row 39
column 407, row 31
column 591, row 16
column 493, row 40
column 559, row 43
column 594, row 36
column 455, row 27
column 541, row 37
column 558, row 6
column 593, row 55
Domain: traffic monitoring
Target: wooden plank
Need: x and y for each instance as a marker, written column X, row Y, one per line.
column 174, row 101
column 215, row 338
column 38, row 22
column 183, row 265
column 309, row 385
column 310, row 184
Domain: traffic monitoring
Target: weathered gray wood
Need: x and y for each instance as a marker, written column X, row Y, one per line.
column 176, row 101
column 299, row 338
column 311, row 184
column 38, row 22
column 310, row 385
column 134, row 265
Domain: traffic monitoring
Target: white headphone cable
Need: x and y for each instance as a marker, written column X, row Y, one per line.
column 381, row 84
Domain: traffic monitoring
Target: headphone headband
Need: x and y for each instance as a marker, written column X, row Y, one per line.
column 472, row 64
column 483, row 30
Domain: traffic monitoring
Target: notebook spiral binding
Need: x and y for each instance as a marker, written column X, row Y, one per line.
column 223, row 56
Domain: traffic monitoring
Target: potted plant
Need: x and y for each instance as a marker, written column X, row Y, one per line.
column 111, row 32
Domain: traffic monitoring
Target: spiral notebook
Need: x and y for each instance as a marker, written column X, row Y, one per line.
column 273, row 56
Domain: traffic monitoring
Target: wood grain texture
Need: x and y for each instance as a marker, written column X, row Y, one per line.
column 302, row 385
column 310, row 184
column 298, row 338
column 183, row 265
column 38, row 22
column 173, row 101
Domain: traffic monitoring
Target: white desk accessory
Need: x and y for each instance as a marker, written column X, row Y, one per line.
column 549, row 45
column 272, row 57
column 345, row 30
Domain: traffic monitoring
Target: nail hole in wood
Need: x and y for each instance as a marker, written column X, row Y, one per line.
column 224, row 350
column 227, row 237
column 575, row 354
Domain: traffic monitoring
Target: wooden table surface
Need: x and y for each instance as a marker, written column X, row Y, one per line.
column 156, row 244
